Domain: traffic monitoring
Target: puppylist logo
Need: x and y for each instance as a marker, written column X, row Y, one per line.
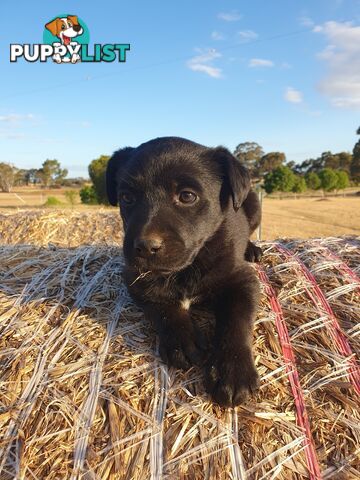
column 66, row 40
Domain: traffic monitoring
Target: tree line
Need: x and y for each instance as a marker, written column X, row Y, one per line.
column 328, row 172
column 49, row 175
column 269, row 170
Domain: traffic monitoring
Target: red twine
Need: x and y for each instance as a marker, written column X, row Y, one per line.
column 319, row 300
column 291, row 370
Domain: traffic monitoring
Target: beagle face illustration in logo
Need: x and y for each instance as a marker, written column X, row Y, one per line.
column 66, row 39
column 66, row 29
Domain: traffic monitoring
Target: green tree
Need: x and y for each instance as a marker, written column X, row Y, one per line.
column 97, row 169
column 281, row 179
column 292, row 165
column 249, row 153
column 20, row 177
column 355, row 163
column 299, row 185
column 344, row 161
column 51, row 172
column 309, row 165
column 88, row 195
column 312, row 181
column 7, row 177
column 337, row 161
column 32, row 176
column 342, row 180
column 328, row 179
column 269, row 162
column 329, row 160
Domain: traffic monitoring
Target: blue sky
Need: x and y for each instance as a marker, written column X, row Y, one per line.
column 283, row 73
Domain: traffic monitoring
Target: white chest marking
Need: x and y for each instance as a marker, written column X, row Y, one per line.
column 186, row 303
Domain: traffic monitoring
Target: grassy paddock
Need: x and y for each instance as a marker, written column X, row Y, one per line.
column 21, row 197
column 306, row 218
column 301, row 218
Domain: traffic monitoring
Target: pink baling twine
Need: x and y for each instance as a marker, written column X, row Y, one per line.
column 319, row 300
column 291, row 370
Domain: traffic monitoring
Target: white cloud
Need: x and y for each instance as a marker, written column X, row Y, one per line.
column 342, row 58
column 318, row 28
column 293, row 96
column 306, row 21
column 11, row 136
column 260, row 62
column 204, row 63
column 233, row 16
column 217, row 36
column 16, row 117
column 247, row 35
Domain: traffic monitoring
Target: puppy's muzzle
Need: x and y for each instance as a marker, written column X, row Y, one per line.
column 148, row 247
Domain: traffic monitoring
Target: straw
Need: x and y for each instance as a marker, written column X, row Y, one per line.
column 84, row 395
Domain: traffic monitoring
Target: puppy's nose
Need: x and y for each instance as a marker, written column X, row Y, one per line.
column 144, row 247
column 77, row 28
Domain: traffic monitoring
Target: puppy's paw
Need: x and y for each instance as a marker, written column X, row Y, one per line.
column 182, row 349
column 253, row 253
column 231, row 378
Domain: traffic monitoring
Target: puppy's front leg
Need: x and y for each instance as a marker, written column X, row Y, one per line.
column 180, row 340
column 253, row 253
column 231, row 374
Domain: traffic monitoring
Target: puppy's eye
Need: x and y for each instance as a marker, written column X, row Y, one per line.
column 187, row 197
column 127, row 198
column 62, row 27
column 70, row 24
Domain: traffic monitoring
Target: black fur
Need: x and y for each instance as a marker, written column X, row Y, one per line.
column 177, row 251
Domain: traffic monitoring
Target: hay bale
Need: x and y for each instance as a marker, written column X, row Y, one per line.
column 84, row 394
column 68, row 228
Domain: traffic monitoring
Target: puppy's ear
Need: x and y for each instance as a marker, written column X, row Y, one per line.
column 74, row 19
column 116, row 161
column 53, row 26
column 236, row 176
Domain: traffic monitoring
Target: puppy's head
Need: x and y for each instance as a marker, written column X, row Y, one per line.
column 66, row 28
column 173, row 196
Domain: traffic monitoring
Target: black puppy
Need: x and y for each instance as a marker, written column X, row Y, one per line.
column 188, row 212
